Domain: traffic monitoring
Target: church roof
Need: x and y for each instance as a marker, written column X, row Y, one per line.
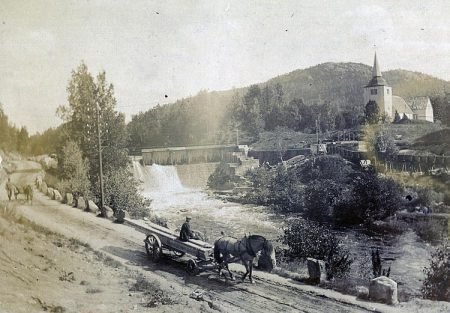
column 377, row 79
column 400, row 105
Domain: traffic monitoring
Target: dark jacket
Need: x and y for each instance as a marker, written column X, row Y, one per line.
column 186, row 233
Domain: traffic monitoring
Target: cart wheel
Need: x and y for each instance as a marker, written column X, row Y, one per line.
column 153, row 248
column 192, row 267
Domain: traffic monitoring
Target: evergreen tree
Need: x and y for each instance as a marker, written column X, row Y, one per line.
column 372, row 112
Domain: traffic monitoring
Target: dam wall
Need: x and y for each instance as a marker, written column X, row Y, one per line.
column 195, row 175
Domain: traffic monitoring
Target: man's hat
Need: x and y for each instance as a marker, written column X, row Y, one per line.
column 188, row 218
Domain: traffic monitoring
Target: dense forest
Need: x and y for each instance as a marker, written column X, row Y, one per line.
column 330, row 93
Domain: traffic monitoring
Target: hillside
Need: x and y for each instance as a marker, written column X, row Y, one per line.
column 341, row 83
column 197, row 119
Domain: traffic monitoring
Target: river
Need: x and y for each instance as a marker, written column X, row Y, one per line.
column 405, row 254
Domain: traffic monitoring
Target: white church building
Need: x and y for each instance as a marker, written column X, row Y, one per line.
column 377, row 90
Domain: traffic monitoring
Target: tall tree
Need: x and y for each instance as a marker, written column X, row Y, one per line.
column 91, row 106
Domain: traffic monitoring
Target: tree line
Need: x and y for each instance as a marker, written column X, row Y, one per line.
column 12, row 138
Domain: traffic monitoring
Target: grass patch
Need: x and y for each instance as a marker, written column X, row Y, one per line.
column 94, row 290
column 107, row 260
column 154, row 295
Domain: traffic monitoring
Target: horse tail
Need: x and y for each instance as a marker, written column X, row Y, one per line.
column 217, row 256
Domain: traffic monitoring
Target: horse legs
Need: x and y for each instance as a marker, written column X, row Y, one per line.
column 246, row 270
column 251, row 271
column 229, row 272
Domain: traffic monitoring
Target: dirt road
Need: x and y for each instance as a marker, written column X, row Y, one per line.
column 121, row 243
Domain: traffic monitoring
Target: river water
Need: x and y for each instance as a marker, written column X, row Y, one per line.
column 405, row 254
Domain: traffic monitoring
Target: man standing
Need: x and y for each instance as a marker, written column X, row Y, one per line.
column 186, row 233
column 9, row 188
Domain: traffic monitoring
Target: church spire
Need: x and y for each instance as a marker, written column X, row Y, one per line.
column 377, row 79
column 376, row 68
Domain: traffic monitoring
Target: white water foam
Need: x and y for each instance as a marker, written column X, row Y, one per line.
column 172, row 200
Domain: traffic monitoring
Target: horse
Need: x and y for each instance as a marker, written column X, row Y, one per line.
column 229, row 250
column 28, row 190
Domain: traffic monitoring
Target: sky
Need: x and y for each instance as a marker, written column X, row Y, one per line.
column 150, row 49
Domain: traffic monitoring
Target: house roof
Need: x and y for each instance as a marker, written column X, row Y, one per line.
column 400, row 105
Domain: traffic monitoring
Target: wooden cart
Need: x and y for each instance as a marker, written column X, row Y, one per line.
column 161, row 241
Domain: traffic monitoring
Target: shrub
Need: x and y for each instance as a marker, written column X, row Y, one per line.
column 320, row 197
column 121, row 192
column 308, row 239
column 437, row 276
column 372, row 198
column 429, row 230
column 221, row 177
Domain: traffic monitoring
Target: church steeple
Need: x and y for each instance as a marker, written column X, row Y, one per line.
column 376, row 72
column 377, row 79
column 377, row 90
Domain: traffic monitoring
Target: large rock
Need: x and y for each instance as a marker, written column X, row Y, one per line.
column 44, row 188
column 316, row 270
column 383, row 289
column 121, row 215
column 68, row 199
column 92, row 207
column 362, row 292
column 81, row 203
column 57, row 195
column 109, row 211
column 50, row 192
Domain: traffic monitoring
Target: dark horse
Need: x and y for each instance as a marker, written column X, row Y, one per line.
column 28, row 191
column 229, row 250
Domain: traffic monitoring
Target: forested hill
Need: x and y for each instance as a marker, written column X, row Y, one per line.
column 342, row 83
column 200, row 119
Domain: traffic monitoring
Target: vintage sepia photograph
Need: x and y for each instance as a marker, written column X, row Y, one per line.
column 224, row 156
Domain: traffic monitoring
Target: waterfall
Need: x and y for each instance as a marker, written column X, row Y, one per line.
column 158, row 179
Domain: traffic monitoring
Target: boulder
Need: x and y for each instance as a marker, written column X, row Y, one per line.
column 44, row 188
column 92, row 207
column 68, row 199
column 50, row 192
column 57, row 195
column 362, row 292
column 109, row 211
column 316, row 270
column 121, row 215
column 383, row 289
column 81, row 203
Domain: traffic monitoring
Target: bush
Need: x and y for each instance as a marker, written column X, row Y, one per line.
column 320, row 198
column 437, row 276
column 372, row 198
column 308, row 239
column 121, row 192
column 430, row 230
column 221, row 177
